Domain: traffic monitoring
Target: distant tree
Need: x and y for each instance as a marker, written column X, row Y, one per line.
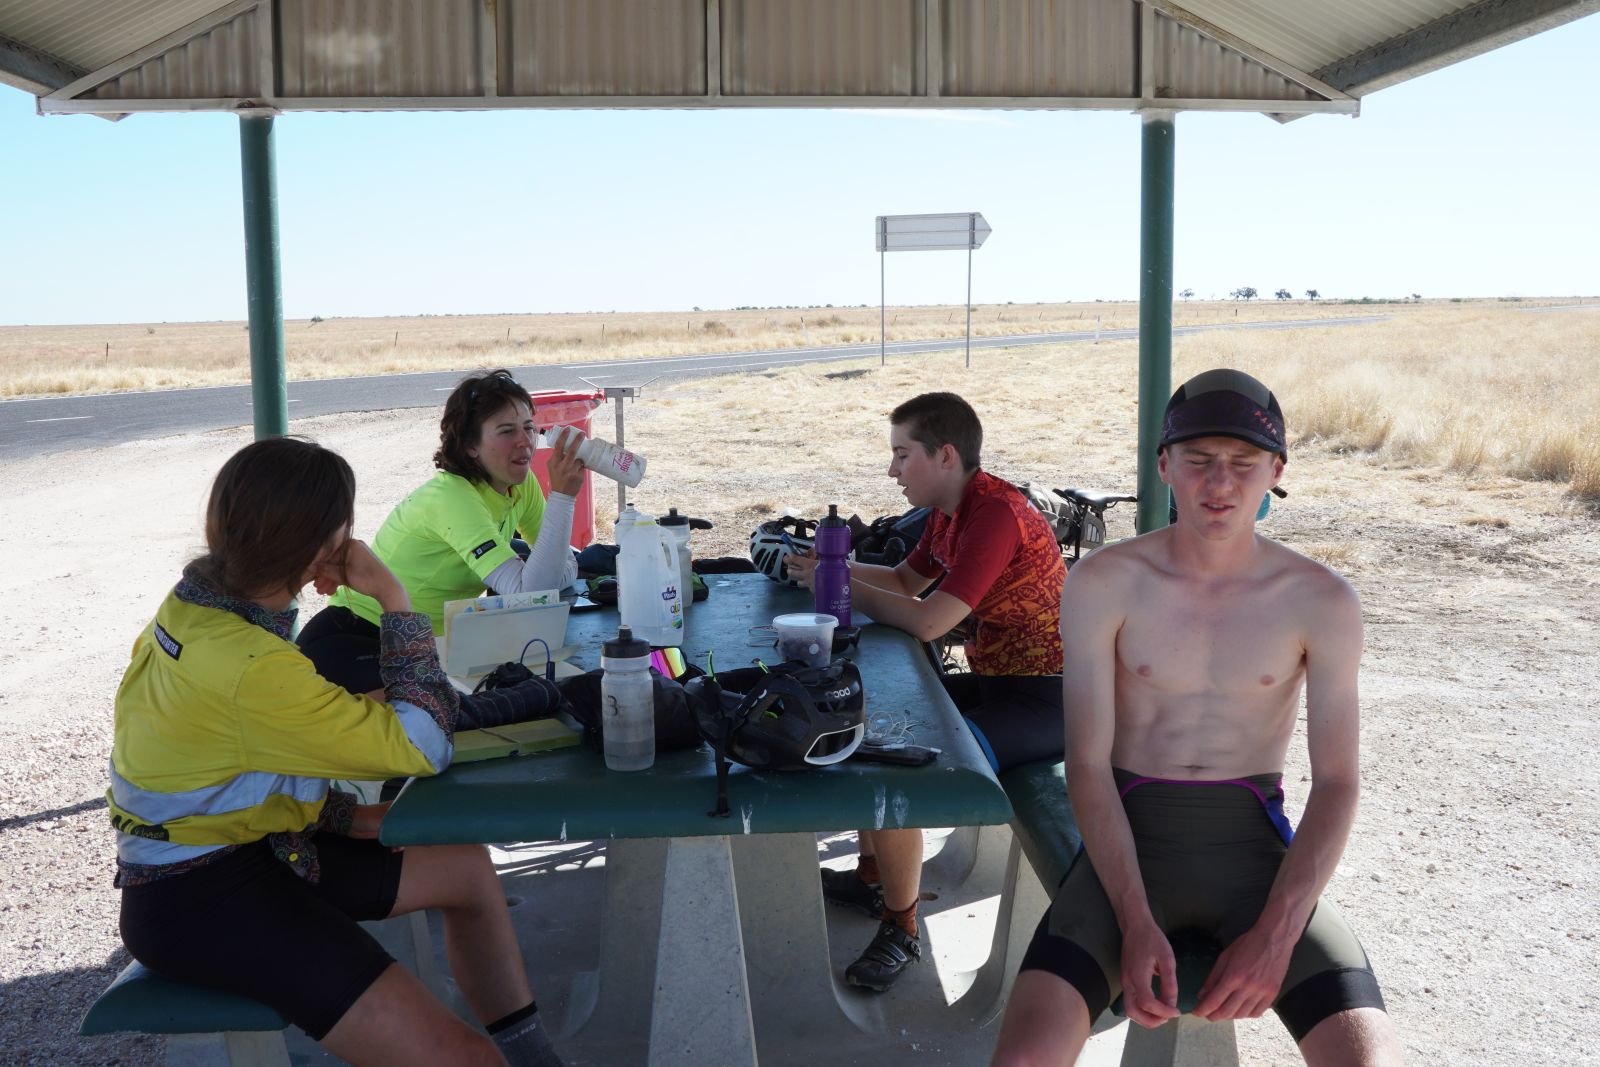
column 1245, row 293
column 1283, row 294
column 1312, row 294
column 1417, row 297
column 1187, row 293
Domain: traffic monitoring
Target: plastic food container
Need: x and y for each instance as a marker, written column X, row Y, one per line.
column 806, row 637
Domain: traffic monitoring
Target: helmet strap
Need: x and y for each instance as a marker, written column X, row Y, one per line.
column 721, row 811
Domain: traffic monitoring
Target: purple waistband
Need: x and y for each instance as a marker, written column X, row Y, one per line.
column 1242, row 782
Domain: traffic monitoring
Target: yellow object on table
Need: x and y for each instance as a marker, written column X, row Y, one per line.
column 540, row 735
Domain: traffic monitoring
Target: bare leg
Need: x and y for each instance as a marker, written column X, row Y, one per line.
column 1360, row 1037
column 479, row 940
column 899, row 855
column 397, row 1021
column 1046, row 1023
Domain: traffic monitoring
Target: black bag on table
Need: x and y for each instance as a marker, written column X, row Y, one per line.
column 888, row 540
column 676, row 725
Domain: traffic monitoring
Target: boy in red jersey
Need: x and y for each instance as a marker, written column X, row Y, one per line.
column 995, row 558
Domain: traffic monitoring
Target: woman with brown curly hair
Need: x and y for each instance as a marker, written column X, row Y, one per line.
column 457, row 534
column 239, row 869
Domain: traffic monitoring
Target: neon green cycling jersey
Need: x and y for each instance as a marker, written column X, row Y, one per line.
column 446, row 538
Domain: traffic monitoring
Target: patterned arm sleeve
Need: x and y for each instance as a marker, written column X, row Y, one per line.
column 408, row 662
column 338, row 812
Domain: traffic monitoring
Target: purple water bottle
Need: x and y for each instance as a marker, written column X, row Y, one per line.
column 832, row 580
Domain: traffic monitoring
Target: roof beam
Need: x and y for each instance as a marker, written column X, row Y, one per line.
column 33, row 70
column 1473, row 30
column 53, row 105
column 1235, row 43
column 94, row 79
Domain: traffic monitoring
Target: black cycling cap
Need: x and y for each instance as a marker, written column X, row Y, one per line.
column 1224, row 403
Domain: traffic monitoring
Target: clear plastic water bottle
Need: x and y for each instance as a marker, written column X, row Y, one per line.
column 831, row 581
column 627, row 703
column 603, row 457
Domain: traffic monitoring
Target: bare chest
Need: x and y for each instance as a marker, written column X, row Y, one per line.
column 1236, row 641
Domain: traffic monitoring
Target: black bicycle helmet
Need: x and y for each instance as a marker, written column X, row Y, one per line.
column 787, row 717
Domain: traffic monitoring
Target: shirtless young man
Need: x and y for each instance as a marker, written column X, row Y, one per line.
column 1186, row 650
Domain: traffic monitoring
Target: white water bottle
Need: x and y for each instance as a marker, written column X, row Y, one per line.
column 602, row 456
column 679, row 528
column 649, row 598
column 627, row 703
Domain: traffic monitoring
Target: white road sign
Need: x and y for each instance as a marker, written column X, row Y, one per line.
column 963, row 230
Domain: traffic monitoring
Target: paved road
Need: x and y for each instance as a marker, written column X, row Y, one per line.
column 56, row 424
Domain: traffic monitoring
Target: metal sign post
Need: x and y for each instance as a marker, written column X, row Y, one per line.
column 927, row 233
column 617, row 394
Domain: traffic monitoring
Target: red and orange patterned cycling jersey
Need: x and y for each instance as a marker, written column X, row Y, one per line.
column 999, row 556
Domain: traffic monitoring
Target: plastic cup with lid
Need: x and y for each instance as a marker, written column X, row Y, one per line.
column 806, row 637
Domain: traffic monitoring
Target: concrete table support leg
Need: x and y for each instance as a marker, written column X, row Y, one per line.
column 792, row 985
column 613, row 1007
column 1022, row 901
column 702, row 1000
column 1186, row 1041
column 235, row 1049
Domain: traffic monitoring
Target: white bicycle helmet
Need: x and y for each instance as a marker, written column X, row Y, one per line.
column 777, row 538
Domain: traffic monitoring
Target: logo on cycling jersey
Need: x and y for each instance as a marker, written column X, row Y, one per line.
column 168, row 645
column 478, row 552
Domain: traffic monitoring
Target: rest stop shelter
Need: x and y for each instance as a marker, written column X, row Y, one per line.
column 259, row 58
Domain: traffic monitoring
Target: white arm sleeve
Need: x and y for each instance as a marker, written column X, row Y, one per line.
column 550, row 564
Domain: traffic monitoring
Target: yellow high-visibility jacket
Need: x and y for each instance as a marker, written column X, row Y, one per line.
column 225, row 733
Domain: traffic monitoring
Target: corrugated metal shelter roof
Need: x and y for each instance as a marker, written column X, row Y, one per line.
column 1283, row 57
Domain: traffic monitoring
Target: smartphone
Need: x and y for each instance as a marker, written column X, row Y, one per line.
column 899, row 755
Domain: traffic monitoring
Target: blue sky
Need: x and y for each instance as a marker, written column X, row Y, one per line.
column 1476, row 180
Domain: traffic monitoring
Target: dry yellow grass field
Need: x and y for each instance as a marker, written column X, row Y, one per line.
column 1481, row 392
column 44, row 360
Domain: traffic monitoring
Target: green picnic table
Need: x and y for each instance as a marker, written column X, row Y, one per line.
column 713, row 933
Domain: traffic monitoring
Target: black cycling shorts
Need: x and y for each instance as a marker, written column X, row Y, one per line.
column 1209, row 853
column 1015, row 717
column 343, row 647
column 247, row 924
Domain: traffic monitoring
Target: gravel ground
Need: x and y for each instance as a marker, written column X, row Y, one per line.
column 1471, row 873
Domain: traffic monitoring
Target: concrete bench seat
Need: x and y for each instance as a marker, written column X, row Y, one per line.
column 206, row 1026
column 141, row 1001
column 1046, row 831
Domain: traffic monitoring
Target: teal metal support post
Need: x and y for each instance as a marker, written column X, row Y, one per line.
column 1155, row 310
column 268, row 382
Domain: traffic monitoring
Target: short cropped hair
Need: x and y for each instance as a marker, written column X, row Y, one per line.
column 274, row 506
column 938, row 419
column 472, row 403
